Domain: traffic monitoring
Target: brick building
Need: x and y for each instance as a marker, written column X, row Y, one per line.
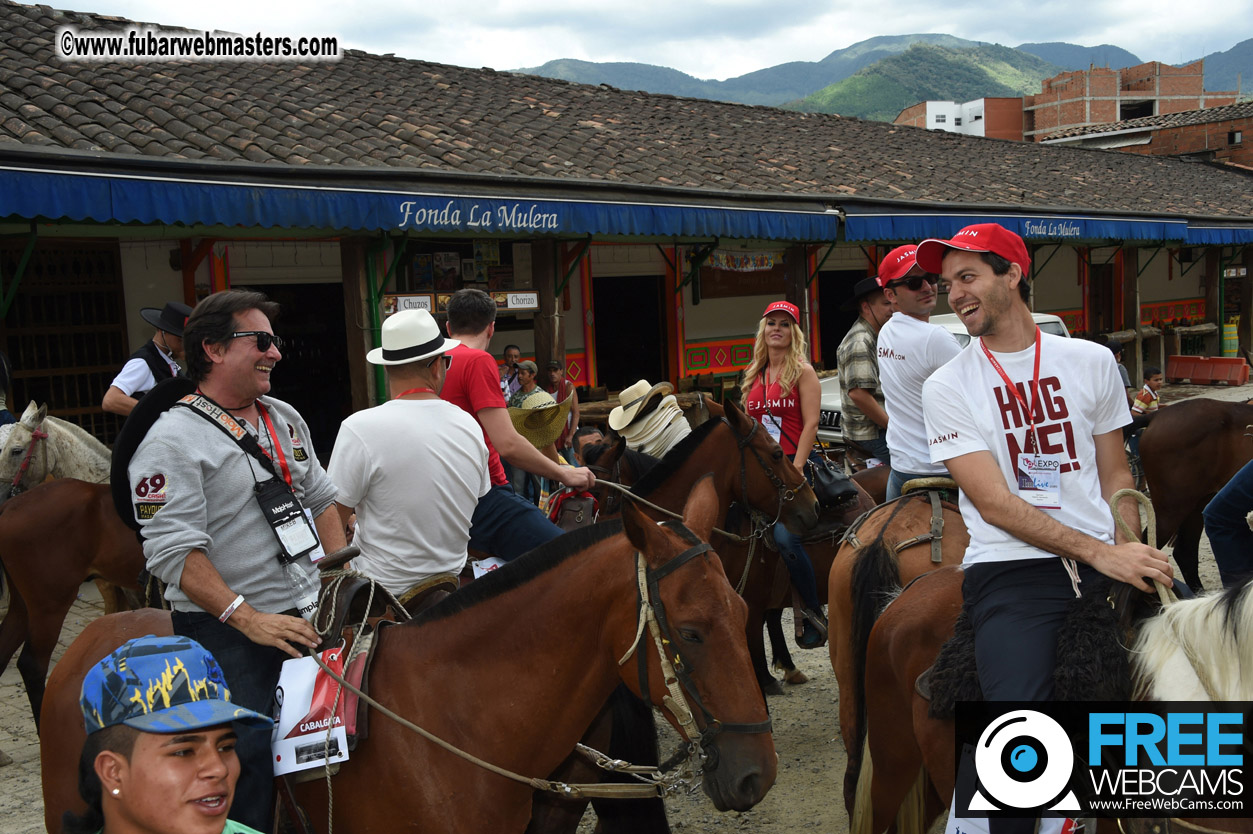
column 1100, row 96
column 994, row 118
column 1214, row 134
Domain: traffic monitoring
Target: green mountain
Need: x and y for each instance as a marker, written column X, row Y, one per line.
column 926, row 72
column 1070, row 56
column 1231, row 70
column 772, row 85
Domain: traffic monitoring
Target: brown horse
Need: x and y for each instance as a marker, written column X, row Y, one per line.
column 868, row 570
column 907, row 775
column 765, row 585
column 1189, row 451
column 53, row 538
column 554, row 625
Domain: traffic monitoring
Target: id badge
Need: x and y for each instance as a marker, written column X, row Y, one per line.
column 286, row 517
column 1040, row 480
column 772, row 428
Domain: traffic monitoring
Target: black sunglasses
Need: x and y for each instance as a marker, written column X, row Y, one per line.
column 914, row 282
column 447, row 361
column 264, row 340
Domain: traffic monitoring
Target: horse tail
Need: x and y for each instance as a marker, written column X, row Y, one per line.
column 863, row 813
column 633, row 739
column 912, row 816
column 876, row 575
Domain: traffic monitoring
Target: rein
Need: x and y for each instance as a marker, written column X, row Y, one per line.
column 652, row 782
column 36, row 435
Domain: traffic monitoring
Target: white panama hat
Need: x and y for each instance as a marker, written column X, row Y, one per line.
column 408, row 336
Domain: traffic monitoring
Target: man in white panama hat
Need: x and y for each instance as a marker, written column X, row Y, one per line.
column 413, row 468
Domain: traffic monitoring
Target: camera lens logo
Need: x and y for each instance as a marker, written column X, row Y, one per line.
column 1024, row 761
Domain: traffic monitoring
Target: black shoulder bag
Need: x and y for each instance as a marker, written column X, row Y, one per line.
column 826, row 479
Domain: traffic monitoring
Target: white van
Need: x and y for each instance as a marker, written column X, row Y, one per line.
column 829, row 417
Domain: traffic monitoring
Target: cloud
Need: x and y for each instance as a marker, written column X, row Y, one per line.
column 705, row 38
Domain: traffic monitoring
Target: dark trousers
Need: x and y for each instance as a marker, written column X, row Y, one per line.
column 799, row 566
column 1228, row 531
column 251, row 672
column 505, row 524
column 1017, row 609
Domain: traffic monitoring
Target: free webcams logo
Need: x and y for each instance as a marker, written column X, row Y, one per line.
column 1103, row 759
column 1024, row 761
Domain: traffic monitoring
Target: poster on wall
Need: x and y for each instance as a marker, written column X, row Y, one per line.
column 395, row 302
column 447, row 267
column 422, row 273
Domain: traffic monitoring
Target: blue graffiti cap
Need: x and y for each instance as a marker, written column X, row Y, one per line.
column 160, row 685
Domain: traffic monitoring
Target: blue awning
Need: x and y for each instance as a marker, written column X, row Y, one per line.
column 875, row 223
column 1219, row 235
column 135, row 198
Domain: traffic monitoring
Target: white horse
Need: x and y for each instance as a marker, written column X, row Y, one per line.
column 38, row 446
column 1198, row 649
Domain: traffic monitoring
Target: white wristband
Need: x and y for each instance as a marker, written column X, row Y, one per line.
column 230, row 609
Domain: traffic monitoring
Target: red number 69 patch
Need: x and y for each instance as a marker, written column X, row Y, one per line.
column 151, row 486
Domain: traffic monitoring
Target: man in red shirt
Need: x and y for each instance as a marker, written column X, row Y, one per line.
column 504, row 524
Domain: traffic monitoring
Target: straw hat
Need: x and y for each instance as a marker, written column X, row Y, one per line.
column 542, row 426
column 408, row 336
column 633, row 400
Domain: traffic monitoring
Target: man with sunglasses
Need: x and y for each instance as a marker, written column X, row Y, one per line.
column 224, row 486
column 910, row 350
column 413, row 468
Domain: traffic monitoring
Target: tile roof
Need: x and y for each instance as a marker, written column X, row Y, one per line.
column 1206, row 115
column 374, row 111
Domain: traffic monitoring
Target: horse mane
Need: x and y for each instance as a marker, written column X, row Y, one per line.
column 1211, row 634
column 674, row 459
column 81, row 435
column 521, row 570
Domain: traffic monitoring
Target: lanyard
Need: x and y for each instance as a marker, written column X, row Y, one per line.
column 1013, row 389
column 414, row 391
column 278, row 447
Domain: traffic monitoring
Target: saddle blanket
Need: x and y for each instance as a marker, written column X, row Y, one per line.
column 305, row 698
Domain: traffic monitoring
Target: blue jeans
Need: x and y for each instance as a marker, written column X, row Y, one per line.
column 877, row 447
column 505, row 524
column 799, row 566
column 251, row 672
column 1229, row 533
column 898, row 479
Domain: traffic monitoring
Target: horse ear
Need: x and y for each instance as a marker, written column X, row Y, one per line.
column 643, row 533
column 34, row 414
column 701, row 508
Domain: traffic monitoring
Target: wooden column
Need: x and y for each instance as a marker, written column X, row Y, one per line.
column 796, row 273
column 550, row 331
column 1245, row 331
column 1131, row 311
column 352, row 255
column 1213, row 315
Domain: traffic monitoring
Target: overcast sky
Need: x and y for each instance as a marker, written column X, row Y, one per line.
column 705, row 38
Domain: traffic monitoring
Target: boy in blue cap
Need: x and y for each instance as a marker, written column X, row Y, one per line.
column 160, row 750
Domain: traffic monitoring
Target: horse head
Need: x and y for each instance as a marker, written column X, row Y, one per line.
column 24, row 456
column 699, row 668
column 771, row 484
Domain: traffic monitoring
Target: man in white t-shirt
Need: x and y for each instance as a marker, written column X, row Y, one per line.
column 413, row 468
column 1027, row 502
column 910, row 350
column 157, row 360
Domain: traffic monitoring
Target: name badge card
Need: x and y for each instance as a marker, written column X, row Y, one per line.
column 1040, row 480
column 771, row 426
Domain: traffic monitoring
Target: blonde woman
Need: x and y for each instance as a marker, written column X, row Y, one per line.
column 781, row 391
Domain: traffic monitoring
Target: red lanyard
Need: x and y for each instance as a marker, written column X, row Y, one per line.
column 414, row 391
column 1013, row 389
column 278, row 447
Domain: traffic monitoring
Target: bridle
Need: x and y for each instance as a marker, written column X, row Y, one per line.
column 652, row 613
column 36, row 435
column 783, row 492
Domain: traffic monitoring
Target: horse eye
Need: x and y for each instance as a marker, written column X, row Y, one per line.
column 778, row 455
column 689, row 635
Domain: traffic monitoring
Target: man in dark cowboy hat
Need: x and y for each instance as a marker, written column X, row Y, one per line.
column 157, row 360
column 413, row 468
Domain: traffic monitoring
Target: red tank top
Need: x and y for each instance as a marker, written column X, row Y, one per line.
column 784, row 420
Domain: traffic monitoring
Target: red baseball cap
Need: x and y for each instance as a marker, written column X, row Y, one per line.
column 786, row 306
column 981, row 237
column 897, row 263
